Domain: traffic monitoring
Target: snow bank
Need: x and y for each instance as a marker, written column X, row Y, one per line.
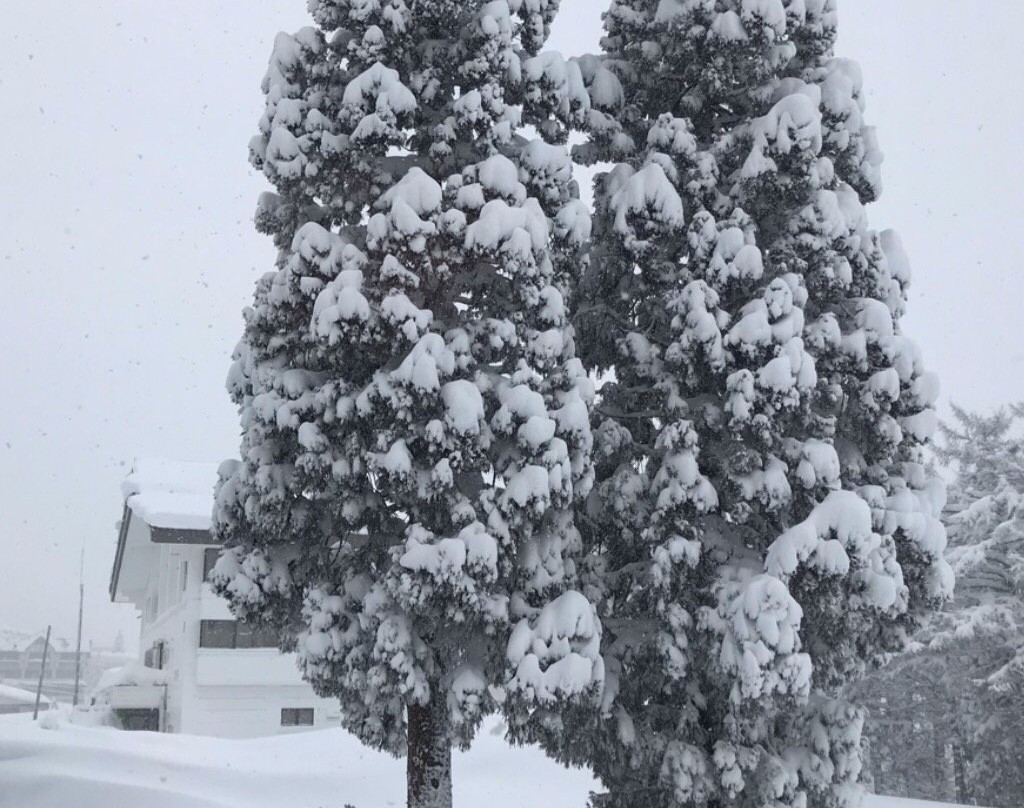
column 99, row 768
column 170, row 493
column 89, row 767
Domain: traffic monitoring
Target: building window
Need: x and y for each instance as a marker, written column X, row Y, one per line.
column 210, row 556
column 296, row 716
column 249, row 636
column 234, row 634
column 217, row 634
column 184, row 575
column 147, row 720
column 156, row 656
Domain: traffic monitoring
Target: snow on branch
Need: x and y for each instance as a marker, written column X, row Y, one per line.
column 555, row 655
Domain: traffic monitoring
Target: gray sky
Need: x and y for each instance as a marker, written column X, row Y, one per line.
column 127, row 250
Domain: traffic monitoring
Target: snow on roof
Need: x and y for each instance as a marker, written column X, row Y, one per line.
column 171, row 493
column 133, row 673
column 12, row 640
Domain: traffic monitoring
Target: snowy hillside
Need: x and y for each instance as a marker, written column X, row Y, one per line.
column 100, row 768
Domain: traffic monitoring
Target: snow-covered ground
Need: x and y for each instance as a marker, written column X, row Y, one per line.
column 85, row 767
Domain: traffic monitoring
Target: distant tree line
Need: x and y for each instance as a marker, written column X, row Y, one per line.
column 947, row 718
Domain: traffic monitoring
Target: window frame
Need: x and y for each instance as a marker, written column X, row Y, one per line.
column 244, row 636
column 208, row 553
column 207, row 629
column 294, row 716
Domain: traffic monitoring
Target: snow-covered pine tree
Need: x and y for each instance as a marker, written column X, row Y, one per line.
column 763, row 526
column 965, row 671
column 986, row 529
column 415, row 427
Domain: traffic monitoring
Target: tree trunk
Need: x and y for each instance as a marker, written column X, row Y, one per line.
column 960, row 775
column 429, row 766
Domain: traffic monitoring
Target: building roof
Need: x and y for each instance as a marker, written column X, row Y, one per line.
column 171, row 493
column 165, row 502
column 12, row 640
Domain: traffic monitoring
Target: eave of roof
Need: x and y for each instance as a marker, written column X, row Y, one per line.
column 122, row 537
column 157, row 535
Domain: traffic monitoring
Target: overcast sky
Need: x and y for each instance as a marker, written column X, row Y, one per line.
column 127, row 250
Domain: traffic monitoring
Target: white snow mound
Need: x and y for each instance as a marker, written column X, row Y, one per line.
column 95, row 767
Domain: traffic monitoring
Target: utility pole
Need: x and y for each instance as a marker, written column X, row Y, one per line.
column 78, row 646
column 42, row 671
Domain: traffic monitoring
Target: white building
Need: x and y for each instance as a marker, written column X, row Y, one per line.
column 21, row 660
column 220, row 677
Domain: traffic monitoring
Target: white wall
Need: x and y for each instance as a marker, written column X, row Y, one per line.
column 177, row 586
column 246, row 666
column 232, row 693
column 249, row 712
